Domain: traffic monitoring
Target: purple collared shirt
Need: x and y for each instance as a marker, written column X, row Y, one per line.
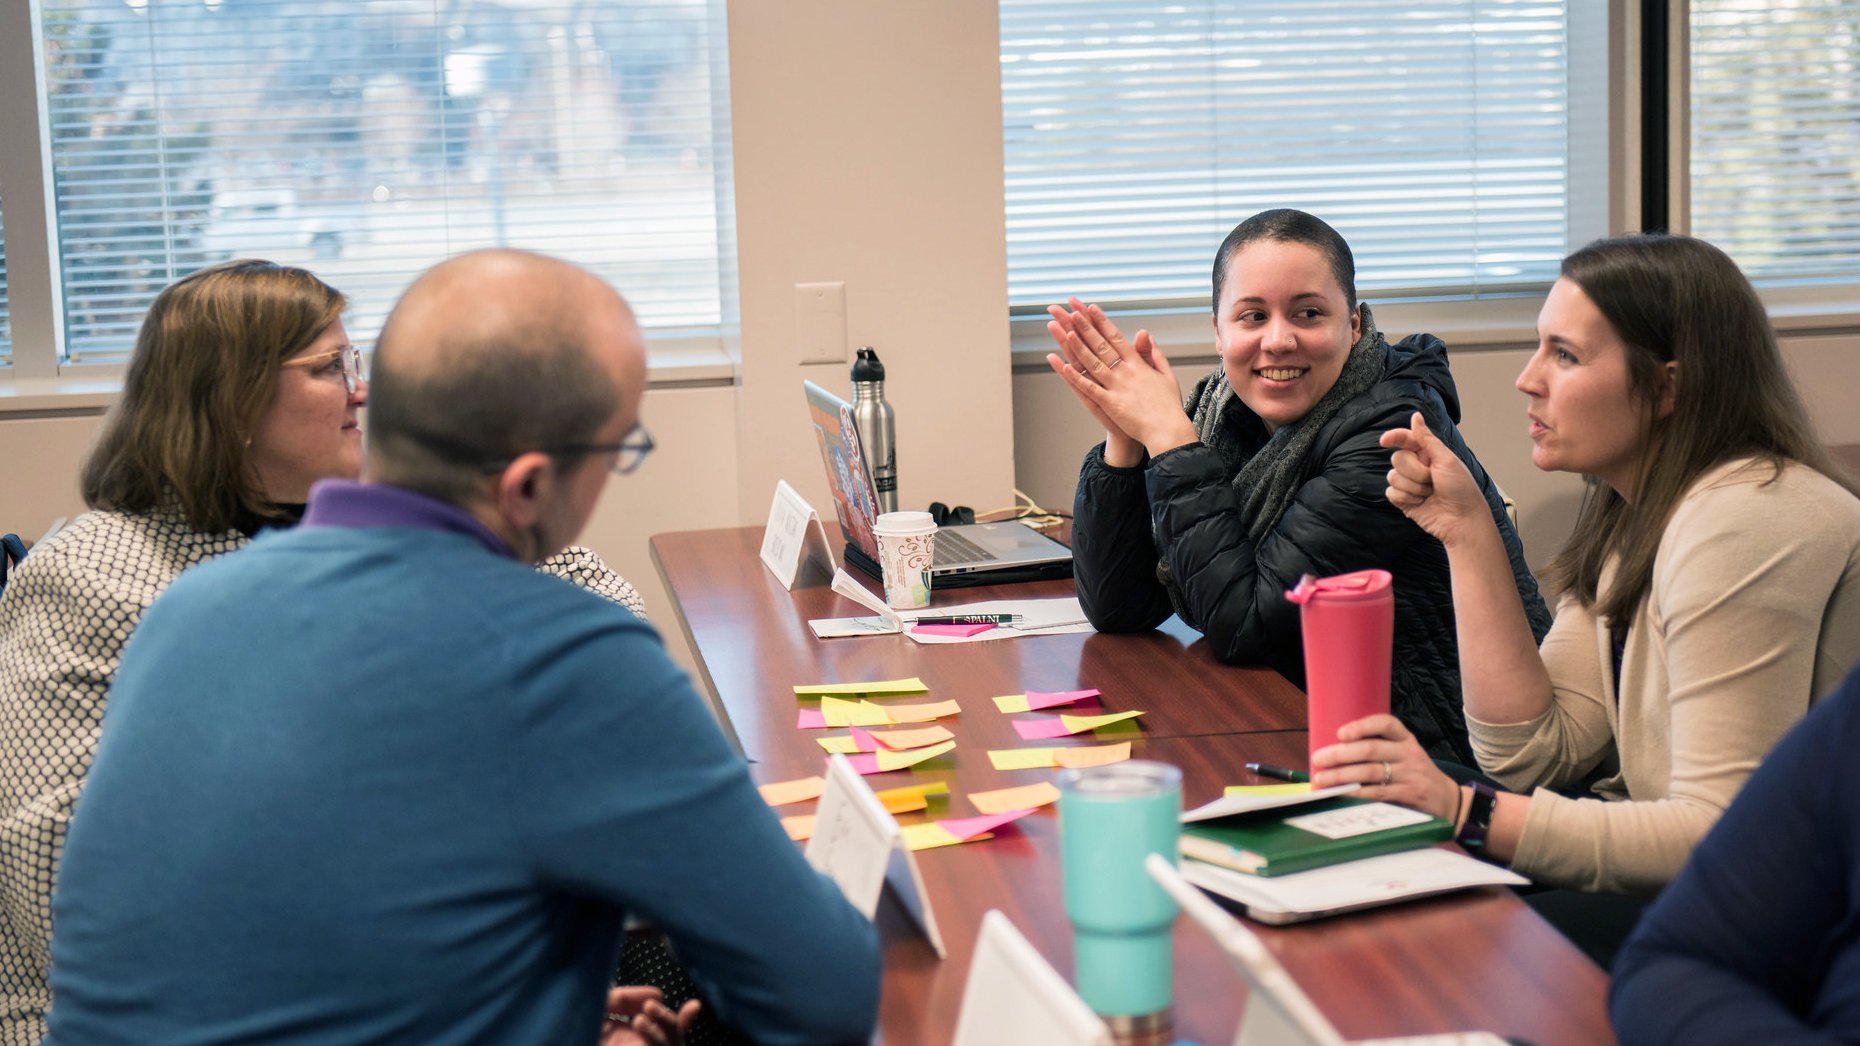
column 346, row 503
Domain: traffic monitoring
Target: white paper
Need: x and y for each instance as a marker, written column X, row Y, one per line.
column 793, row 537
column 1350, row 885
column 1039, row 617
column 1357, row 820
column 886, row 623
column 1229, row 805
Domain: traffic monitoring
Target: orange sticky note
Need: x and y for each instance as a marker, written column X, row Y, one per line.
column 800, row 827
column 1092, row 755
column 800, row 790
column 920, row 737
column 1001, row 800
column 921, row 713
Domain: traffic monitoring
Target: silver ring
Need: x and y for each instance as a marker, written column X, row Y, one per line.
column 1388, row 773
column 1113, row 364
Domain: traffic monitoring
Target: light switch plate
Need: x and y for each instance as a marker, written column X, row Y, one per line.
column 820, row 321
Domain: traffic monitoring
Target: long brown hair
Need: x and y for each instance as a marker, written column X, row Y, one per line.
column 204, row 371
column 1681, row 300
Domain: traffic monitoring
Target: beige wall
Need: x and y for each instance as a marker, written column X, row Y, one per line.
column 868, row 150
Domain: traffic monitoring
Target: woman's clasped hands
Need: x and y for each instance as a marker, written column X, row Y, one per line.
column 1126, row 385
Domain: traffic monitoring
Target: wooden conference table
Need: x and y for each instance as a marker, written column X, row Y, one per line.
column 1475, row 960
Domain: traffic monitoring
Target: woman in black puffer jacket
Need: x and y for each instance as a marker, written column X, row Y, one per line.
column 1273, row 469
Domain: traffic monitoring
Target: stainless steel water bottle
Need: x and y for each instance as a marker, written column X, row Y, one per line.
column 877, row 435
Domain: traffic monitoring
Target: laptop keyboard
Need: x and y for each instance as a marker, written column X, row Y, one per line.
column 952, row 548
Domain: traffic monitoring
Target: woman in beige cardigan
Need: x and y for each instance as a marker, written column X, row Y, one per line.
column 1710, row 593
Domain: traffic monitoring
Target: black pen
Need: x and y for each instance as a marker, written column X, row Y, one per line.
column 968, row 619
column 1280, row 772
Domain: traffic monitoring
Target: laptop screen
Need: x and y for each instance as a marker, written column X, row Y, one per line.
column 855, row 501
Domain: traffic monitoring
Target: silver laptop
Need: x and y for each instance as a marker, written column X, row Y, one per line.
column 965, row 554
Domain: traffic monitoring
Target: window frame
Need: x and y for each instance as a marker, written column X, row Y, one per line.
column 34, row 382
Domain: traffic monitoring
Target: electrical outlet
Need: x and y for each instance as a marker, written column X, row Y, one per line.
column 820, row 322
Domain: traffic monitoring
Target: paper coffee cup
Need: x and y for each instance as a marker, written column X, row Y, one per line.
column 905, row 541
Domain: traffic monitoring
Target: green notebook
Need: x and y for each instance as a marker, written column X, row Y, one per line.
column 1323, row 831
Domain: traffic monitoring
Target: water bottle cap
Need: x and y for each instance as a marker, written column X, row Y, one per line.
column 1343, row 588
column 866, row 366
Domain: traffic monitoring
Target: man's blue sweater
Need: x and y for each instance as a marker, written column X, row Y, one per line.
column 380, row 784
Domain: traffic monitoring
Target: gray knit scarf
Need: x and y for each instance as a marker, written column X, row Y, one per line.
column 1269, row 480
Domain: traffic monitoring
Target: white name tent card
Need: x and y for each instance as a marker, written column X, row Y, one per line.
column 1014, row 995
column 794, row 537
column 858, row 844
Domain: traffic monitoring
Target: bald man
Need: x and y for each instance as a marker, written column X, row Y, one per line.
column 374, row 780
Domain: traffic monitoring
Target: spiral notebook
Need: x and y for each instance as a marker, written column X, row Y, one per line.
column 965, row 554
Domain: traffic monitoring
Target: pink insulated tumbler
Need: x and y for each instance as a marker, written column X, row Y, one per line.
column 1349, row 626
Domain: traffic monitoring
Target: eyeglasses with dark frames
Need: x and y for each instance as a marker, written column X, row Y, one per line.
column 353, row 371
column 628, row 454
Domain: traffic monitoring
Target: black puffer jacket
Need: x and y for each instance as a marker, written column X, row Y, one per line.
column 1233, row 589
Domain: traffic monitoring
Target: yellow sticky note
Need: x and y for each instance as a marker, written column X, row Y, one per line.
column 1078, row 724
column 890, row 760
column 912, row 685
column 913, row 738
column 1092, row 755
column 800, row 827
column 837, row 711
column 842, row 745
column 1298, row 788
column 1011, row 703
column 922, row 713
column 911, row 797
column 1021, row 758
column 1025, row 797
column 931, row 835
column 781, row 793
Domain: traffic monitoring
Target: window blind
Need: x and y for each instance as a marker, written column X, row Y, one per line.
column 1434, row 136
column 368, row 139
column 1775, row 135
column 6, row 319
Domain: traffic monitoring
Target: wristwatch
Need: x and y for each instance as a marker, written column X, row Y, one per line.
column 1478, row 818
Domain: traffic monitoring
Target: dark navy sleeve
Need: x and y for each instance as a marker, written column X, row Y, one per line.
column 1113, row 557
column 637, row 797
column 1756, row 939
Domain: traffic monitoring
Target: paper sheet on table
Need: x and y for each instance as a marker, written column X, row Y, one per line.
column 1038, row 758
column 1067, row 725
column 1035, row 700
column 1024, row 797
column 781, row 793
column 1289, row 788
column 1038, row 617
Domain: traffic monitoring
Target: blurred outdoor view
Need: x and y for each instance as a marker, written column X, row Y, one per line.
column 368, row 139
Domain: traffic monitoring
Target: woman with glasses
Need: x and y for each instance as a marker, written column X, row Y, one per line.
column 243, row 391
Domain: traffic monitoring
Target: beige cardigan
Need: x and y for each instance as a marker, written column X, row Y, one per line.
column 1753, row 612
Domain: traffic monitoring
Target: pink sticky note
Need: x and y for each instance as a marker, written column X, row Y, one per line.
column 964, row 827
column 864, row 738
column 811, row 719
column 959, row 631
column 1045, row 699
column 1041, row 729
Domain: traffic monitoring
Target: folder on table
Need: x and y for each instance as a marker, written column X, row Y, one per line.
column 1295, row 837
